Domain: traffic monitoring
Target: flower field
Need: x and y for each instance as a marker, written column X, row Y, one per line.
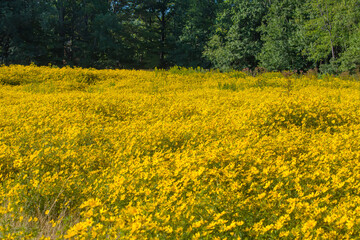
column 179, row 154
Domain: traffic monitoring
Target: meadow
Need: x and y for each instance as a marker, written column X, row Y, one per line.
column 178, row 154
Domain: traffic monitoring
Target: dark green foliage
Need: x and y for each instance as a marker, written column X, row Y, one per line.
column 329, row 29
column 197, row 26
column 233, row 34
column 237, row 40
column 350, row 58
column 22, row 31
column 281, row 50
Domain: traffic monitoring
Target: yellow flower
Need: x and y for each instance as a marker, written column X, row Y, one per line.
column 78, row 228
column 309, row 225
column 92, row 203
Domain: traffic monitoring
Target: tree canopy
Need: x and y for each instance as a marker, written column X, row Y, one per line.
column 230, row 34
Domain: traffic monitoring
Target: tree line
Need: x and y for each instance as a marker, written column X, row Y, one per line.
column 224, row 34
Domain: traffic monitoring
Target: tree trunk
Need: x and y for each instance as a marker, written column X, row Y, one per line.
column 163, row 39
column 61, row 10
column 5, row 48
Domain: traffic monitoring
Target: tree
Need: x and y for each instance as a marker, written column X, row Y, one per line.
column 197, row 26
column 22, row 32
column 282, row 49
column 320, row 31
column 154, row 17
column 237, row 40
column 329, row 29
column 348, row 18
column 87, row 33
column 350, row 58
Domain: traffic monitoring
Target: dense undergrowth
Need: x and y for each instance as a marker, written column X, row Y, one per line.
column 179, row 154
